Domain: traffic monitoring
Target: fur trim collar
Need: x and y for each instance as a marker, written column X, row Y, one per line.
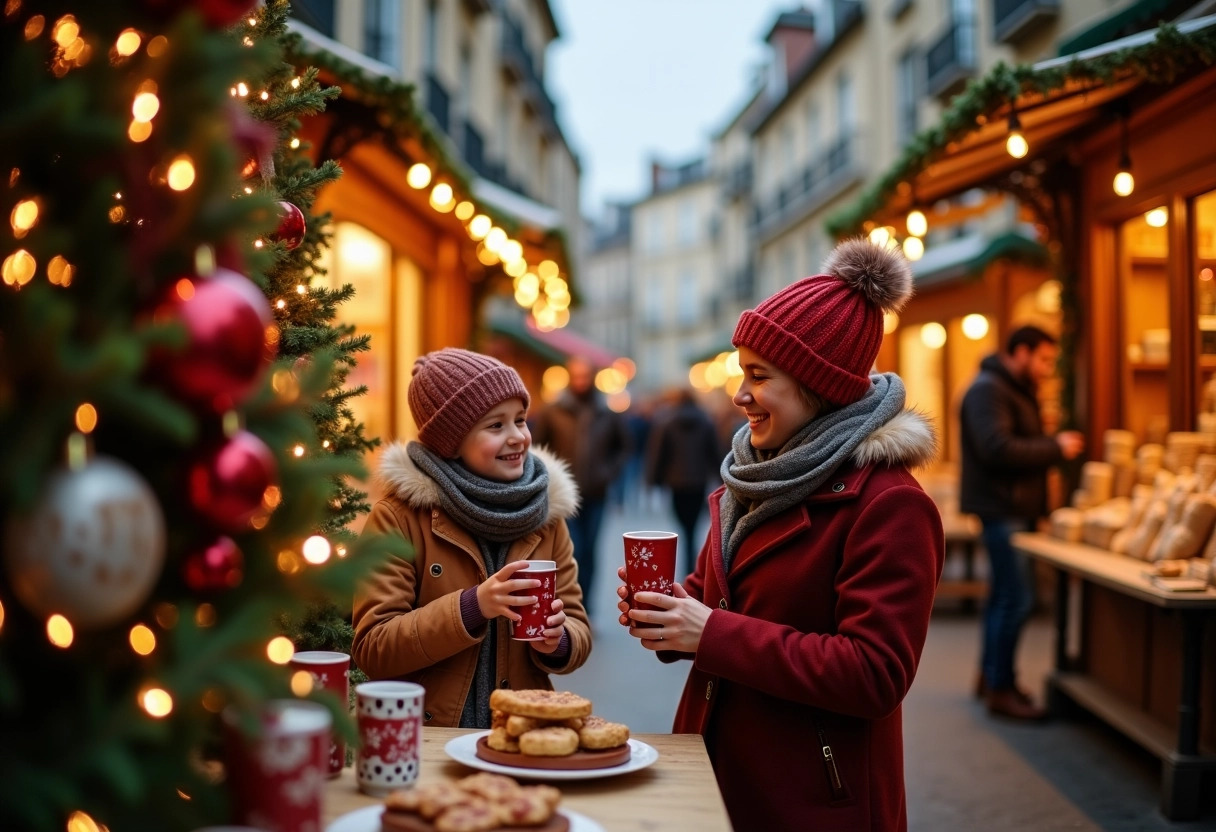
column 909, row 439
column 401, row 478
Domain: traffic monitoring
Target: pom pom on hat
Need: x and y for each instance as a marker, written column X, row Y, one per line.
column 825, row 330
column 452, row 389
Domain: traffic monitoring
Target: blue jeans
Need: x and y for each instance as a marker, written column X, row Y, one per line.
column 584, row 532
column 1010, row 600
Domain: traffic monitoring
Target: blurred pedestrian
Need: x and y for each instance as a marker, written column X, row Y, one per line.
column 580, row 428
column 1006, row 456
column 683, row 457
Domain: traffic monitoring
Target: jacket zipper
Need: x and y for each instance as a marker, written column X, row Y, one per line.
column 829, row 763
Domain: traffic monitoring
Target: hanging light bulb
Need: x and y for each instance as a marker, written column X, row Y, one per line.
column 1124, row 183
column 1016, row 144
column 916, row 223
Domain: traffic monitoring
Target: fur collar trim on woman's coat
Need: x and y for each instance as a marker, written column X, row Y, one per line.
column 402, row 478
column 908, row 439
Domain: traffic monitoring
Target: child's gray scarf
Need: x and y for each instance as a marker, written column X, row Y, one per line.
column 495, row 513
column 757, row 488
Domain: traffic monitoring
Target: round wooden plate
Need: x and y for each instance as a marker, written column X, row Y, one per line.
column 580, row 759
column 408, row 822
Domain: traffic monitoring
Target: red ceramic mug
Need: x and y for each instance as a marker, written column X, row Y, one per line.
column 531, row 626
column 330, row 671
column 276, row 774
column 650, row 565
column 390, row 736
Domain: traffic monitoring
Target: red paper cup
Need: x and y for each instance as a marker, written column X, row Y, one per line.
column 276, row 778
column 650, row 565
column 330, row 671
column 390, row 736
column 531, row 627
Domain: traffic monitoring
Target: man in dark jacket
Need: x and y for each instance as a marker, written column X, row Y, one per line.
column 581, row 429
column 683, row 456
column 1006, row 456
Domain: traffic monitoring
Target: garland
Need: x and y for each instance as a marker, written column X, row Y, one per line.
column 1171, row 54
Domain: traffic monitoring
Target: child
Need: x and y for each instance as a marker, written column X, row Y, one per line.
column 475, row 500
column 808, row 608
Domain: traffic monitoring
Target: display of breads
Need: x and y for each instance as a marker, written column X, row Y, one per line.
column 1155, row 503
column 478, row 803
column 548, row 723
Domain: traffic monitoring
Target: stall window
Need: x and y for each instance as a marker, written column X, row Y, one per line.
column 1143, row 252
column 365, row 261
column 1204, row 269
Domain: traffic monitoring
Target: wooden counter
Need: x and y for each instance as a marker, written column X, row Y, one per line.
column 677, row 792
column 1140, row 665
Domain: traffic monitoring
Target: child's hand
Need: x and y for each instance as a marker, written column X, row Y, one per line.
column 555, row 625
column 495, row 594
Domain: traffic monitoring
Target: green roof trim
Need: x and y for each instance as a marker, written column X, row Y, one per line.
column 1169, row 55
column 1011, row 246
column 1139, row 16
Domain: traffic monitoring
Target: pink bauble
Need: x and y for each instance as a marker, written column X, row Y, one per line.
column 228, row 481
column 229, row 342
column 291, row 225
column 215, row 567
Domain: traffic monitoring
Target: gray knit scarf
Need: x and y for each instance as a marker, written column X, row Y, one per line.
column 758, row 488
column 495, row 513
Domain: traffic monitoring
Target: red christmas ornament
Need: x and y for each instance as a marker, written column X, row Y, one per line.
column 254, row 140
column 219, row 14
column 218, row 566
column 227, row 319
column 291, row 225
column 228, row 481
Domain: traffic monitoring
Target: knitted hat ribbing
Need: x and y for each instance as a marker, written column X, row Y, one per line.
column 452, row 389
column 825, row 330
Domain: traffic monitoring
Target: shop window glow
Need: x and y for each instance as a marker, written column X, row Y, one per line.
column 975, row 326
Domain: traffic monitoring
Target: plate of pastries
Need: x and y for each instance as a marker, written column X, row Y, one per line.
column 482, row 802
column 550, row 735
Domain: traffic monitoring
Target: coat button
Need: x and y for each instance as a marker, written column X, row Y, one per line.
column 721, row 603
column 838, row 487
column 436, row 570
column 427, row 716
column 709, row 690
column 505, row 683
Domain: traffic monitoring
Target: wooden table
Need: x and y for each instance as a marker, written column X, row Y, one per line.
column 1176, row 741
column 677, row 792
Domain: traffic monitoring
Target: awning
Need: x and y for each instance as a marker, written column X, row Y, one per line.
column 1141, row 15
column 968, row 257
column 557, row 346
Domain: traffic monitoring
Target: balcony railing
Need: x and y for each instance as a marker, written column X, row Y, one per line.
column 438, row 102
column 950, row 61
column 835, row 168
column 474, row 148
column 518, row 62
column 1014, row 19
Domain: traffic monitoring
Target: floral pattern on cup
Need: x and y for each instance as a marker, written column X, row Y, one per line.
column 390, row 735
column 650, row 565
column 531, row 627
column 277, row 778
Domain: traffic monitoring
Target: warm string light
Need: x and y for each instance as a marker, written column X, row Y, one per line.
column 1124, row 183
column 316, row 550
column 1015, row 143
column 59, row 631
column 280, row 650
column 143, row 640
column 156, row 702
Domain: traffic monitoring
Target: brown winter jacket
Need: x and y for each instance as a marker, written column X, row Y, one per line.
column 407, row 614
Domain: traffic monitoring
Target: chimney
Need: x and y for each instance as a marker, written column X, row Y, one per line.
column 792, row 38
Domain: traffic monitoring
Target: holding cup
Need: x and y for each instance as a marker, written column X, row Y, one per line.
column 330, row 671
column 390, row 736
column 532, row 623
column 650, row 566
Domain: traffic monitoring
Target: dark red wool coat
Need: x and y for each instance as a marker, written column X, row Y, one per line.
column 818, row 628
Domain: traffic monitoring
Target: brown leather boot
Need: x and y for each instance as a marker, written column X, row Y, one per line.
column 1007, row 702
column 981, row 689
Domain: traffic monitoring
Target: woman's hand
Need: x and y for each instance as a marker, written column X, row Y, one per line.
column 680, row 621
column 555, row 625
column 495, row 594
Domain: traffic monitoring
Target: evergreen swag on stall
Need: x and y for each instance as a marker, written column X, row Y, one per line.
column 158, row 323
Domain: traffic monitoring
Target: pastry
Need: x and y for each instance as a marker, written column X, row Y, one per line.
column 541, row 704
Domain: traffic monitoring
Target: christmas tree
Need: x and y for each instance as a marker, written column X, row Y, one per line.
column 177, row 436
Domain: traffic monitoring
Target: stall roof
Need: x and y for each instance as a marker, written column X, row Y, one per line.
column 556, row 345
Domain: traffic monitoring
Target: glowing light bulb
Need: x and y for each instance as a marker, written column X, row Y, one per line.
column 316, row 549
column 156, row 702
column 143, row 640
column 914, row 248
column 975, row 326
column 1124, row 183
column 280, row 650
column 933, row 335
column 418, row 176
column 1157, row 217
column 59, row 631
column 181, row 173
column 1016, row 144
column 916, row 223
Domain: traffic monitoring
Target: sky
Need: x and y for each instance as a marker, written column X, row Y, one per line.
column 636, row 79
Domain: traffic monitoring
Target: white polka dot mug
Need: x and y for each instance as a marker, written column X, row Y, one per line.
column 390, row 736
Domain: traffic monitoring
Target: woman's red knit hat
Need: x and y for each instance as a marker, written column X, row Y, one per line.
column 452, row 389
column 825, row 330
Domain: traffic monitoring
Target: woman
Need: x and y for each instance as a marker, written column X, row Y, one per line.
column 808, row 609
